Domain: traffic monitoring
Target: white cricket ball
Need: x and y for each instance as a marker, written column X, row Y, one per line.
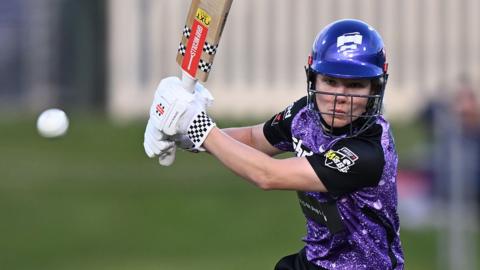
column 52, row 123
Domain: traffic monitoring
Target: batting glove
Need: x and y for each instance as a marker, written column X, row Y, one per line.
column 203, row 96
column 167, row 157
column 184, row 142
column 195, row 124
column 155, row 142
column 170, row 102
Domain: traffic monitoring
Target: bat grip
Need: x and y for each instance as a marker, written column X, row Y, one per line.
column 188, row 82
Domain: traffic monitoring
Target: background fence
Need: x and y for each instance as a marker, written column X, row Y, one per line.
column 111, row 54
column 429, row 44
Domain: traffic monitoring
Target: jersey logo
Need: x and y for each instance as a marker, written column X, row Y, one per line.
column 277, row 119
column 288, row 112
column 341, row 159
column 282, row 116
column 349, row 41
column 321, row 149
column 300, row 149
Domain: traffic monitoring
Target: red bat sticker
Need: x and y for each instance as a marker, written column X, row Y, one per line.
column 194, row 48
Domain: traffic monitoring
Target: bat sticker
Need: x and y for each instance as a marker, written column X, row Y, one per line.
column 196, row 44
column 202, row 16
column 194, row 47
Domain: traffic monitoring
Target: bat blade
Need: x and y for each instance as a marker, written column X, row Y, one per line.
column 201, row 35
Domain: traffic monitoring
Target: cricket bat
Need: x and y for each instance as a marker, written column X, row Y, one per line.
column 200, row 37
column 198, row 46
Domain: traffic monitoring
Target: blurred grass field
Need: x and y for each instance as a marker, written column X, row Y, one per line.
column 93, row 200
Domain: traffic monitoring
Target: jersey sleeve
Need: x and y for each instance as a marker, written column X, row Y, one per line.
column 349, row 165
column 277, row 130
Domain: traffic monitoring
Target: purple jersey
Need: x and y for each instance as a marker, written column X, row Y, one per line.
column 355, row 224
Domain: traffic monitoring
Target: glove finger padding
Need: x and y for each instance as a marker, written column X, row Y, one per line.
column 148, row 150
column 155, row 133
column 156, row 147
column 149, row 144
column 155, row 142
column 168, row 157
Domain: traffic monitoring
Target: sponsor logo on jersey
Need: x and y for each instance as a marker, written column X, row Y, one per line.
column 277, row 119
column 283, row 115
column 349, row 41
column 288, row 112
column 300, row 150
column 312, row 208
column 341, row 160
column 321, row 149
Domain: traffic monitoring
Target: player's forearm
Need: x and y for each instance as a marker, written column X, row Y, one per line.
column 253, row 137
column 241, row 134
column 242, row 159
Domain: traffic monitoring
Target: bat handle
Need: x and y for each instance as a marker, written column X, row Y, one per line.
column 188, row 82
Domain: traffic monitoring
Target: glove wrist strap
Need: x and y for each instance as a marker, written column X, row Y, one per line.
column 199, row 128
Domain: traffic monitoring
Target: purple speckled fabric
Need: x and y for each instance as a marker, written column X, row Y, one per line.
column 365, row 244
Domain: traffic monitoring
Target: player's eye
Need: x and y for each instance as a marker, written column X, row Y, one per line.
column 357, row 85
column 329, row 81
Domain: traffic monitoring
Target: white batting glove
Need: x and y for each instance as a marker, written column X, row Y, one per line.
column 195, row 124
column 155, row 142
column 203, row 96
column 193, row 128
column 167, row 157
column 174, row 109
column 170, row 102
column 184, row 142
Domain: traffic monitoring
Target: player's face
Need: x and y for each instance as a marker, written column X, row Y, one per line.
column 341, row 101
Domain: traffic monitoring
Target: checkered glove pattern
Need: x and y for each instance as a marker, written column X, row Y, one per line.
column 199, row 128
column 183, row 141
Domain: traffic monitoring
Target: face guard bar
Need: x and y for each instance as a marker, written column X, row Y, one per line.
column 357, row 124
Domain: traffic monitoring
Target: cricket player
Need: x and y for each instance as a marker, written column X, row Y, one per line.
column 345, row 167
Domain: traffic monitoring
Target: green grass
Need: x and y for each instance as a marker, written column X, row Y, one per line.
column 92, row 200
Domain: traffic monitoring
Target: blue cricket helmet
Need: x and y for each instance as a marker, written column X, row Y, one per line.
column 349, row 49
